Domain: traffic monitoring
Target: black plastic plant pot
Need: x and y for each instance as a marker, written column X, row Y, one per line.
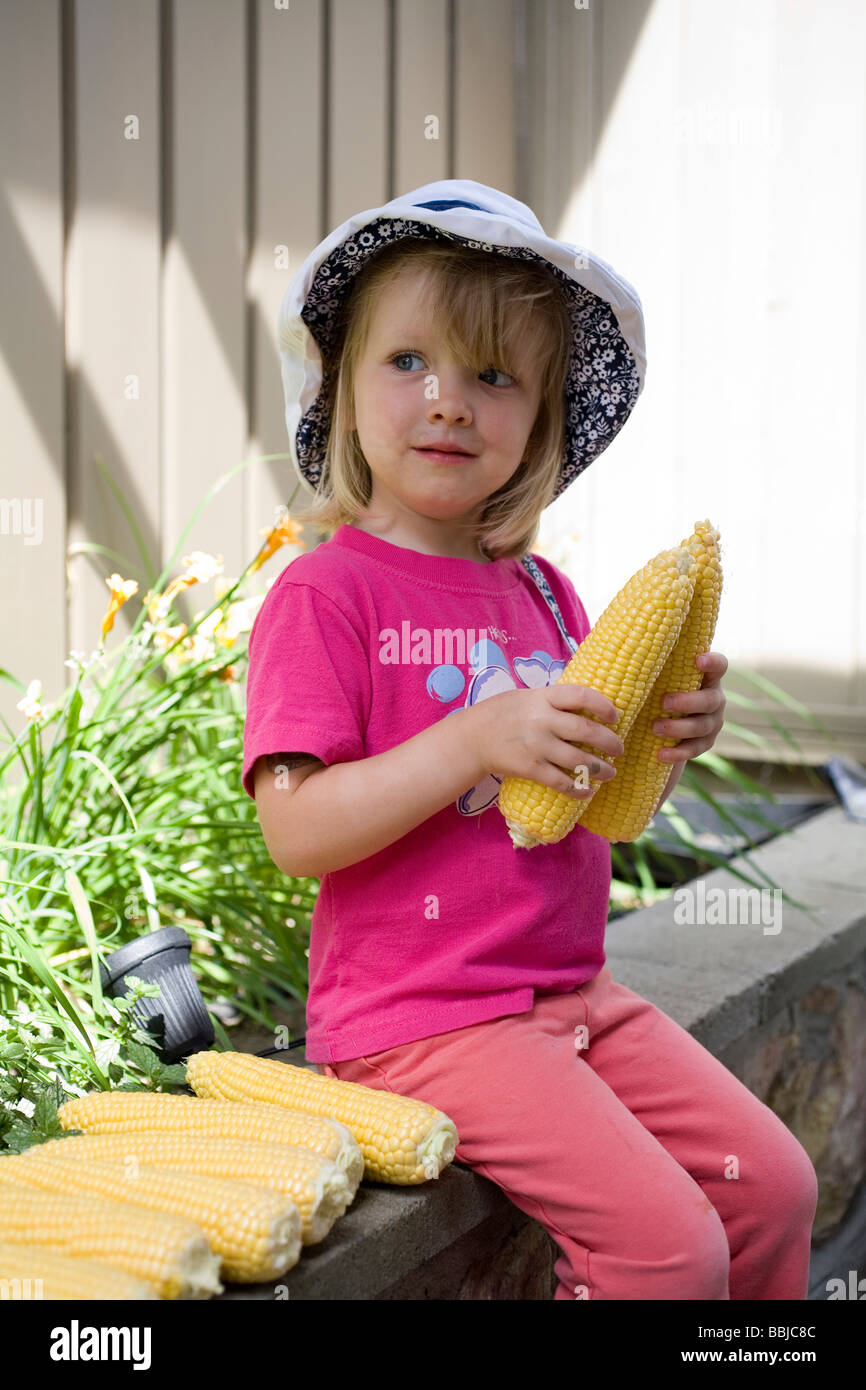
column 177, row 1018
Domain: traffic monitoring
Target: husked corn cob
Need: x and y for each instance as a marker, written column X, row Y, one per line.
column 622, row 809
column 168, row 1252
column 255, row 1233
column 38, row 1272
column 403, row 1140
column 127, row 1112
column 319, row 1189
column 621, row 657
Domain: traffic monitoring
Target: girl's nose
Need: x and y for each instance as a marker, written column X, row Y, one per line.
column 449, row 405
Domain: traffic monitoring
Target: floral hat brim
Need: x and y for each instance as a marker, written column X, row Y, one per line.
column 608, row 357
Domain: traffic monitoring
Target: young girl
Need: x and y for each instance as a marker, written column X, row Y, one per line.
column 448, row 371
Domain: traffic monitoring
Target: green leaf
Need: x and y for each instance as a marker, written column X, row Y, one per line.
column 144, row 1057
column 138, row 989
column 172, row 1074
column 40, row 968
column 19, row 1136
column 45, row 1108
column 84, row 915
column 43, row 1124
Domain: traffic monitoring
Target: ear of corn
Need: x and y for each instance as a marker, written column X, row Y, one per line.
column 39, row 1272
column 621, row 657
column 127, row 1112
column 171, row 1253
column 623, row 808
column 314, row 1183
column 255, row 1233
column 403, row 1140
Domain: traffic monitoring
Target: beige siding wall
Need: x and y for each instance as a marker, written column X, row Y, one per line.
column 715, row 154
column 161, row 185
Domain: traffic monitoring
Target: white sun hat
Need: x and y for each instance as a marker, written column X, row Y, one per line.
column 608, row 358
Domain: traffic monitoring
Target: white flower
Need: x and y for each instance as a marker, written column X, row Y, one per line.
column 82, row 662
column 30, row 705
column 241, row 616
column 205, row 626
column 203, row 567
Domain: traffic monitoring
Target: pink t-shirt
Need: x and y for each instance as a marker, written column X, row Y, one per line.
column 359, row 645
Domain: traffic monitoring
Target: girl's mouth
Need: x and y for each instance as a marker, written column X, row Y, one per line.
column 441, row 457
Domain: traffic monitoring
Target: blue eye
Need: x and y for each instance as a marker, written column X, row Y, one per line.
column 397, row 356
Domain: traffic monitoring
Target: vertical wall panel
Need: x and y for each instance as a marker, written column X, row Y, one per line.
column 812, row 563
column 485, row 146
column 357, row 158
column 113, row 279
column 32, row 459
column 204, row 358
column 288, row 153
column 422, row 115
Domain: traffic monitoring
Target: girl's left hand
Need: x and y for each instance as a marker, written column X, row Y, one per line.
column 706, row 708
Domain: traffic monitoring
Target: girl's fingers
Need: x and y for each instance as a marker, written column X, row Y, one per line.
column 685, row 728
column 704, row 711
column 713, row 664
column 683, row 751
column 703, row 701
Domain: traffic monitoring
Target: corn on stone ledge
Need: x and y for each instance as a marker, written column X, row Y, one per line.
column 256, row 1233
column 64, row 1277
column 403, row 1140
column 621, row 657
column 317, row 1186
column 130, row 1112
column 170, row 1252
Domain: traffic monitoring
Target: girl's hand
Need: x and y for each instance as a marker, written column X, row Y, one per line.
column 531, row 734
column 706, row 708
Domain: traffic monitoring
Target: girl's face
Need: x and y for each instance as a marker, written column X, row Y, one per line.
column 410, row 393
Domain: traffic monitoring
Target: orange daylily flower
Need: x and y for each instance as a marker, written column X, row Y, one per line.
column 201, row 568
column 287, row 532
column 121, row 590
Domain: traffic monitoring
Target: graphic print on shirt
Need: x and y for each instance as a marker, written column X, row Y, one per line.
column 492, row 675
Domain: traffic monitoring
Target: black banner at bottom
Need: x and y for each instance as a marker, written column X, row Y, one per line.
column 258, row 1339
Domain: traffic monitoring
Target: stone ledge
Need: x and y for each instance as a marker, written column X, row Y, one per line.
column 719, row 981
column 383, row 1237
column 728, row 985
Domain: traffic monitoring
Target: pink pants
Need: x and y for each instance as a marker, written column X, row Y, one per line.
column 657, row 1173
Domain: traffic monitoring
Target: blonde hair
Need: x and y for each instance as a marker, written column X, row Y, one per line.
column 486, row 305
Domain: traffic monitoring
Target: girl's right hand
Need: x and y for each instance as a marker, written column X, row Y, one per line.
column 531, row 734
